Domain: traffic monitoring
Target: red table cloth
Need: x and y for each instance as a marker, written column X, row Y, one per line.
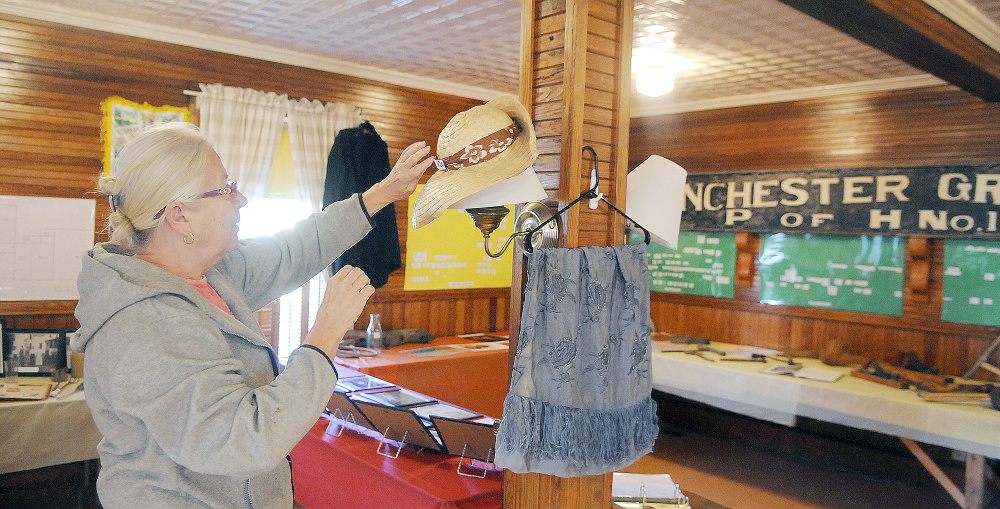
column 476, row 380
column 346, row 472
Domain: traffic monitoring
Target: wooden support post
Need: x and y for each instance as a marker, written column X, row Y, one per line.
column 974, row 480
column 575, row 66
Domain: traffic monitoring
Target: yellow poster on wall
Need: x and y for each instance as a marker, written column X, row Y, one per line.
column 448, row 253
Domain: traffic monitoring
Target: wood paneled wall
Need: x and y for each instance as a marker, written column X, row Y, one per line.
column 930, row 126
column 54, row 77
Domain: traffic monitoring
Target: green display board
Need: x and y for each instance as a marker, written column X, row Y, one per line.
column 971, row 292
column 704, row 263
column 849, row 273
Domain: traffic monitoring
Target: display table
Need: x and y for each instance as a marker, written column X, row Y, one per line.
column 346, row 472
column 38, row 434
column 476, row 380
column 740, row 387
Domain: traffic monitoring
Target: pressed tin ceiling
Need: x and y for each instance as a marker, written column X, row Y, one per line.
column 739, row 51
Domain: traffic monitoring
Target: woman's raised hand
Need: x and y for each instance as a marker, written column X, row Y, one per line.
column 347, row 292
column 402, row 180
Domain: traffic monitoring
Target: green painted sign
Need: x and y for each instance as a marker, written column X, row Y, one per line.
column 704, row 263
column 971, row 292
column 849, row 273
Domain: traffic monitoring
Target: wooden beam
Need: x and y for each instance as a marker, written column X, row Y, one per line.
column 915, row 33
column 935, row 471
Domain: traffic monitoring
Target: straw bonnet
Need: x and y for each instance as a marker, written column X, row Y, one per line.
column 478, row 148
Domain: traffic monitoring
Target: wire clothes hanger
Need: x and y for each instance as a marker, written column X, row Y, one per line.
column 591, row 194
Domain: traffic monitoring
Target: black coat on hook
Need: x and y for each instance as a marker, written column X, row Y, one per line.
column 359, row 159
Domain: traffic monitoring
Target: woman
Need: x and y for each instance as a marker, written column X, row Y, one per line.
column 180, row 379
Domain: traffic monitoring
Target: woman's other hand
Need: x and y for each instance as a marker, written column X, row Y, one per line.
column 347, row 292
column 402, row 180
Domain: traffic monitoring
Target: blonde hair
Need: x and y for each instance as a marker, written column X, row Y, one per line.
column 165, row 163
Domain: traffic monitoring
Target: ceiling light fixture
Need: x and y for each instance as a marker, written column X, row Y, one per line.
column 654, row 81
column 655, row 66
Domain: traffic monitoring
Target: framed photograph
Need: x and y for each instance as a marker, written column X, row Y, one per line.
column 440, row 409
column 361, row 383
column 396, row 397
column 400, row 425
column 470, row 439
column 35, row 351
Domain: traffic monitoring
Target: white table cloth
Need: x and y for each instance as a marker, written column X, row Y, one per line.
column 740, row 387
column 38, row 434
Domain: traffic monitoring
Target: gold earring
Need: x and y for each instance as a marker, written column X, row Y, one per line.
column 189, row 238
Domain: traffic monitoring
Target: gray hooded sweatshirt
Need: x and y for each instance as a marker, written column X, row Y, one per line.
column 188, row 397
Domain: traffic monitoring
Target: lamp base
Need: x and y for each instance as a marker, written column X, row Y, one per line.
column 533, row 214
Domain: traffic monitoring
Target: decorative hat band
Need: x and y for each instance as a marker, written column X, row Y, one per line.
column 480, row 150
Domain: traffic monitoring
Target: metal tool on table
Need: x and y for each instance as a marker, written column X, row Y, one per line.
column 756, row 357
column 981, row 363
column 700, row 351
column 706, row 348
column 930, row 387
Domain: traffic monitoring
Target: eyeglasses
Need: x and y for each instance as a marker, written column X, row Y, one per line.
column 225, row 191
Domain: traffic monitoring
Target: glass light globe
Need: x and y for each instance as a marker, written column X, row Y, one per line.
column 654, row 81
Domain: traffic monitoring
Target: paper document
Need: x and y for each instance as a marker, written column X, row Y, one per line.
column 823, row 375
column 798, row 371
column 635, row 485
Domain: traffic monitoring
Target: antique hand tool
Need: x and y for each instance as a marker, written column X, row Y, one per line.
column 706, row 348
column 902, row 378
column 756, row 357
column 699, row 353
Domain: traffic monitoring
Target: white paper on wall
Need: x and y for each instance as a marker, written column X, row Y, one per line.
column 43, row 241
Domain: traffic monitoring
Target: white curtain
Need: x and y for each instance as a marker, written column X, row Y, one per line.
column 245, row 126
column 312, row 128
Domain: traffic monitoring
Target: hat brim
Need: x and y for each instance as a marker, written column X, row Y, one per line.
column 444, row 188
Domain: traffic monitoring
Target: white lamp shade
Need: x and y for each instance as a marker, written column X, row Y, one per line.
column 521, row 188
column 654, row 198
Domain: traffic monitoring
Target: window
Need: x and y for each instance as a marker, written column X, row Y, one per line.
column 279, row 209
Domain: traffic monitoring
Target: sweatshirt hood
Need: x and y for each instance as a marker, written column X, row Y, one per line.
column 110, row 280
